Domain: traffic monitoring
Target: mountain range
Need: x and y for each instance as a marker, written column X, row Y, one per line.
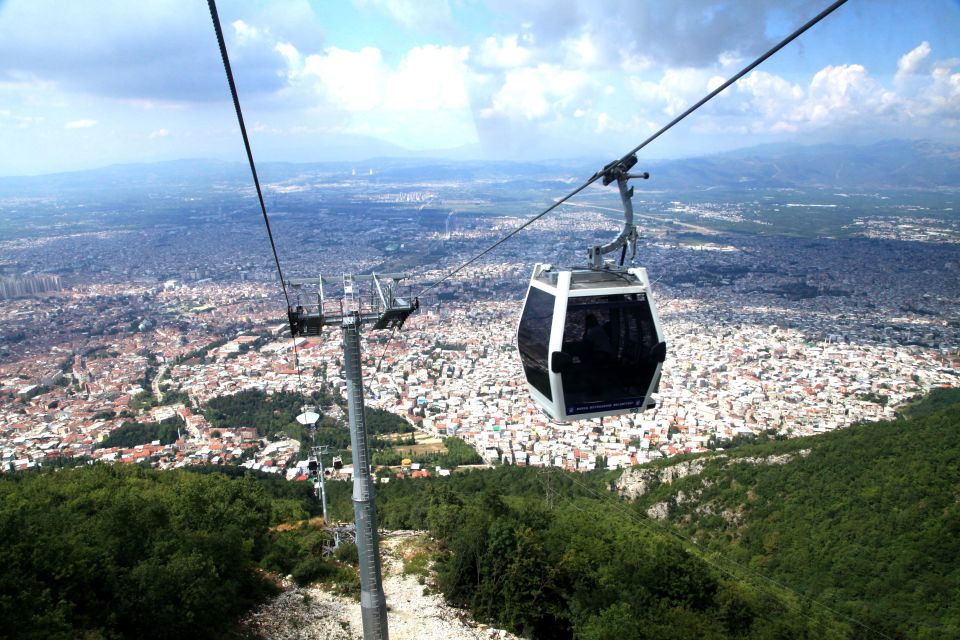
column 893, row 164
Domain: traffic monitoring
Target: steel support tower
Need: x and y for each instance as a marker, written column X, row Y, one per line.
column 373, row 606
column 384, row 310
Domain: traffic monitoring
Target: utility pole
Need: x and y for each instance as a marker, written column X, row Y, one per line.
column 309, row 418
column 318, row 487
column 383, row 310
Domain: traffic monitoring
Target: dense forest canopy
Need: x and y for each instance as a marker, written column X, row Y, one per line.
column 271, row 414
column 131, row 434
column 538, row 553
column 866, row 520
column 127, row 552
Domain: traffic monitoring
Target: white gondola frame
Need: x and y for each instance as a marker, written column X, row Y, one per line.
column 565, row 289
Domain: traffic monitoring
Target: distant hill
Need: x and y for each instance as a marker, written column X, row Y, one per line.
column 141, row 178
column 865, row 520
column 894, row 164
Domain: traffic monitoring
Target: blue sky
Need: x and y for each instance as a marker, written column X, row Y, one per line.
column 99, row 82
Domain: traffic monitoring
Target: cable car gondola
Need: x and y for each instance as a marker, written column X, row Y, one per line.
column 590, row 338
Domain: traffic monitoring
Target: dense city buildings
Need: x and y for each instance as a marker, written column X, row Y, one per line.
column 147, row 321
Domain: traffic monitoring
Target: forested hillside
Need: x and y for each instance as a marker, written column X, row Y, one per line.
column 865, row 520
column 552, row 555
column 128, row 552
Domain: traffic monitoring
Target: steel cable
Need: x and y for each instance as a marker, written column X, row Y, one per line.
column 246, row 140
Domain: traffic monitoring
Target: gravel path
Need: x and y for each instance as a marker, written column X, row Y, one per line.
column 313, row 613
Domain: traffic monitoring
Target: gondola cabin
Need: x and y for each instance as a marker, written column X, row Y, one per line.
column 590, row 341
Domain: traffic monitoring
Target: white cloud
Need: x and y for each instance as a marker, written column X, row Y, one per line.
column 714, row 82
column 842, row 92
column 533, row 72
column 80, row 124
column 910, row 62
column 848, row 96
column 353, row 79
column 422, row 101
column 937, row 99
column 632, row 62
column 580, row 51
column 690, row 33
column 245, row 32
column 603, row 121
column 290, row 54
column 675, row 91
column 769, row 95
column 504, row 53
column 21, row 122
column 836, row 95
column 534, row 92
column 429, row 78
column 426, row 78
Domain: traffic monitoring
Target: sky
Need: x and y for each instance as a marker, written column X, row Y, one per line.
column 90, row 83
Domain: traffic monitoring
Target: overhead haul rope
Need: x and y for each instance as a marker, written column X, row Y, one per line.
column 246, row 140
column 212, row 4
column 600, row 174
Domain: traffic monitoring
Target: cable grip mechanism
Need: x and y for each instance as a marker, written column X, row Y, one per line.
column 619, row 171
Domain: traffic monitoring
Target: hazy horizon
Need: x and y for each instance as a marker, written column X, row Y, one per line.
column 426, row 157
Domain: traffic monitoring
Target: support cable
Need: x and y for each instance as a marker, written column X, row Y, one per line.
column 296, row 361
column 600, row 174
column 212, row 4
column 383, row 351
column 510, row 235
column 215, row 16
column 747, row 69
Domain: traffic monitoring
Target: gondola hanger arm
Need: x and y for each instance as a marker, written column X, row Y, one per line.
column 619, row 171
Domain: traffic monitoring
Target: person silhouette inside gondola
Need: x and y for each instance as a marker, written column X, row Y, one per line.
column 598, row 345
column 598, row 356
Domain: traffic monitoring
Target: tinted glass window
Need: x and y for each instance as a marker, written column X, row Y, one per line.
column 533, row 339
column 610, row 340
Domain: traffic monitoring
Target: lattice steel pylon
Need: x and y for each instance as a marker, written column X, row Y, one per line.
column 383, row 311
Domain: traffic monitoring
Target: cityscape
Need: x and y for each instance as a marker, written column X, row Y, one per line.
column 144, row 304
